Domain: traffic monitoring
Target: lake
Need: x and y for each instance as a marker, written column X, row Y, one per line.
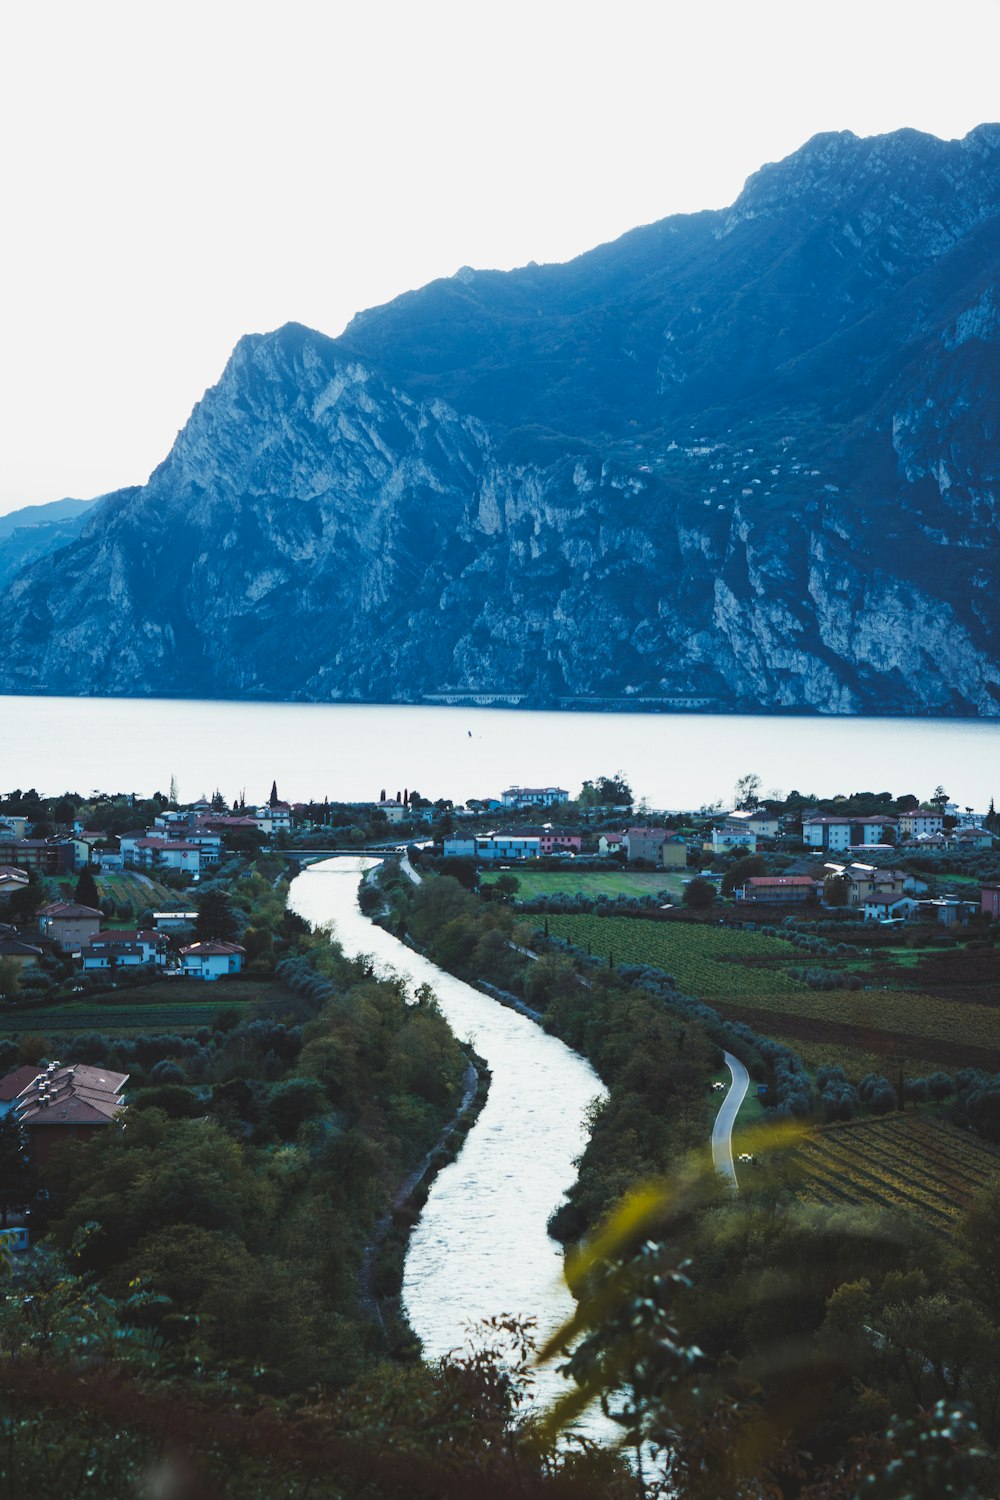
column 351, row 752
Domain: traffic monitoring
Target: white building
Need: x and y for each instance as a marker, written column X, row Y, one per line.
column 533, row 796
column 212, row 959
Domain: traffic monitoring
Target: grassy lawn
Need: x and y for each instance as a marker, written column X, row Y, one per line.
column 592, row 882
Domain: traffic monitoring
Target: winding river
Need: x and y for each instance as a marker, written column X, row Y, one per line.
column 481, row 1248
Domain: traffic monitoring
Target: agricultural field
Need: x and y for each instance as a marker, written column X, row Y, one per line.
column 915, row 1162
column 593, row 883
column 746, row 975
column 132, row 888
column 171, row 1005
column 704, row 960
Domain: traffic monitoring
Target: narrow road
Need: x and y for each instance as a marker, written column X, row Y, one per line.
column 408, row 870
column 722, row 1132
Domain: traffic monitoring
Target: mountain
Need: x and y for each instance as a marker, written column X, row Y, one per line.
column 36, row 530
column 743, row 459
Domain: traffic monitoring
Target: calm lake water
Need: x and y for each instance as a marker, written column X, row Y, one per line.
column 481, row 1248
column 350, row 752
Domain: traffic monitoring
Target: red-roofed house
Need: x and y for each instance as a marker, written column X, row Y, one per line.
column 212, row 959
column 67, row 1103
column 129, row 949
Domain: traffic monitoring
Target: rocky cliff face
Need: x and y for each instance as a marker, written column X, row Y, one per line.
column 744, row 458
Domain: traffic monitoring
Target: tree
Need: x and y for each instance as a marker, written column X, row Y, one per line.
column 216, row 918
column 615, row 791
column 86, row 892
column 272, row 801
column 837, row 890
column 17, row 1175
column 172, row 794
column 699, row 894
column 746, row 794
column 506, row 886
column 741, row 871
column 939, row 798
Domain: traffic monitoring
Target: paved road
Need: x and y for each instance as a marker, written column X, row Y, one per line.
column 722, row 1133
column 408, row 870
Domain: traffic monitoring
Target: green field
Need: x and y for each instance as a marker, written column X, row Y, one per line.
column 569, row 882
column 174, row 1005
column 746, row 975
column 703, row 959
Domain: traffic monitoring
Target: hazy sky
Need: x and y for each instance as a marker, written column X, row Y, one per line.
column 176, row 175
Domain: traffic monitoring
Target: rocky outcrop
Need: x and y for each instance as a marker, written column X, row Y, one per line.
column 745, row 458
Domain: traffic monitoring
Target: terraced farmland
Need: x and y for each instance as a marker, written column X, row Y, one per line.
column 912, row 1162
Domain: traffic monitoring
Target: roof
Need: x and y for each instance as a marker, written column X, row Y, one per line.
column 12, row 870
column 214, row 948
column 887, row 900
column 780, row 880
column 68, row 911
column 110, row 936
column 14, row 1082
column 77, row 1095
column 14, row 948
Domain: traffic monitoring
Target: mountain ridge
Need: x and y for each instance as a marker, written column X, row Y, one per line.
column 743, row 462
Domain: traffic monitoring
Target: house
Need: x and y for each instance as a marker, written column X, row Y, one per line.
column 972, row 838
column 989, row 901
column 22, row 953
column 822, row 831
column 674, row 854
column 533, row 796
column 923, row 820
column 68, row 924
column 123, row 949
column 609, row 844
column 150, row 853
column 645, row 843
column 13, row 826
column 212, row 959
column 555, row 840
column 889, row 908
column 67, row 1103
column 763, row 824
column 867, row 880
column 723, row 839
column 779, row 888
column 11, row 880
column 395, row 812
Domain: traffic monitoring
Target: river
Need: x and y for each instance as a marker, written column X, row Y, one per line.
column 480, row 1248
column 351, row 752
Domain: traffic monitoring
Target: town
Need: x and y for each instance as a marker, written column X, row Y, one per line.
column 286, row 1104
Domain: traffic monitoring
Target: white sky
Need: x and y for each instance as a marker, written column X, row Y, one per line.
column 172, row 176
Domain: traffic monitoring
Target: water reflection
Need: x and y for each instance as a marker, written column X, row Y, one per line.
column 481, row 1247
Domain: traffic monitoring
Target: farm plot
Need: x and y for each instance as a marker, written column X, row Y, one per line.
column 916, row 1163
column 163, row 1005
column 700, row 958
column 570, row 882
